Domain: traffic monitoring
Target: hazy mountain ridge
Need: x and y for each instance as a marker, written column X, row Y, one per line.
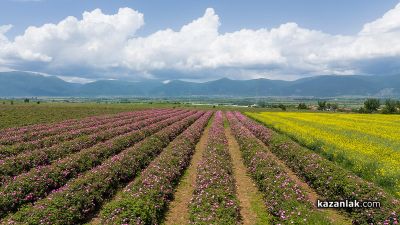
column 24, row 84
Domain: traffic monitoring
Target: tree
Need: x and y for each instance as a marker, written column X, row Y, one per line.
column 26, row 100
column 282, row 106
column 262, row 104
column 321, row 105
column 361, row 110
column 12, row 102
column 302, row 106
column 332, row 106
column 372, row 105
column 390, row 106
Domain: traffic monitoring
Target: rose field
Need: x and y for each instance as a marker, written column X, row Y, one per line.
column 168, row 165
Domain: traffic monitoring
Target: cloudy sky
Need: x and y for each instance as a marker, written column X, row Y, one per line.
column 200, row 40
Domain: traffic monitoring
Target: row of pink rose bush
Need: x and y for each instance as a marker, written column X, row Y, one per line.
column 10, row 150
column 91, row 128
column 328, row 179
column 38, row 127
column 38, row 182
column 145, row 199
column 23, row 162
column 285, row 200
column 59, row 129
column 214, row 199
column 78, row 200
column 83, row 123
column 33, row 132
column 35, row 135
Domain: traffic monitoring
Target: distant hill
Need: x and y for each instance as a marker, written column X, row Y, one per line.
column 24, row 84
column 29, row 84
column 117, row 88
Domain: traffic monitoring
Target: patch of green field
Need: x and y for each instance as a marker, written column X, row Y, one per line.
column 16, row 113
column 22, row 114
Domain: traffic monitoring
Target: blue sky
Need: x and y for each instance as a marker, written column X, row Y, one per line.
column 331, row 16
column 236, row 39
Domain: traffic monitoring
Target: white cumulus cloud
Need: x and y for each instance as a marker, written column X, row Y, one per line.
column 107, row 45
column 95, row 41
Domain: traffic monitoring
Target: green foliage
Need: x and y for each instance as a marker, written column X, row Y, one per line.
column 391, row 106
column 284, row 198
column 26, row 100
column 302, row 106
column 332, row 106
column 361, row 110
column 83, row 195
column 214, row 199
column 372, row 105
column 15, row 115
column 328, row 179
column 324, row 105
column 282, row 106
column 144, row 200
column 262, row 104
column 321, row 105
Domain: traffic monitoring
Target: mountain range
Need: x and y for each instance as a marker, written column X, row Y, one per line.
column 26, row 84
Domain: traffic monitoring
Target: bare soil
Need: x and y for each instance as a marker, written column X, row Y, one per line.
column 332, row 214
column 252, row 208
column 178, row 212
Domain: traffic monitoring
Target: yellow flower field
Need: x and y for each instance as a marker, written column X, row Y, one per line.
column 368, row 144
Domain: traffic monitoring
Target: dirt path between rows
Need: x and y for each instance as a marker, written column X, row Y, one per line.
column 332, row 214
column 252, row 207
column 178, row 212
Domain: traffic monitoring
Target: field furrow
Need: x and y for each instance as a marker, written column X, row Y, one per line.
column 372, row 157
column 79, row 199
column 47, row 130
column 16, row 131
column 328, row 179
column 285, row 200
column 57, row 129
column 178, row 209
column 23, row 162
column 145, row 199
column 214, row 198
column 40, row 181
column 46, row 142
column 175, row 165
column 252, row 207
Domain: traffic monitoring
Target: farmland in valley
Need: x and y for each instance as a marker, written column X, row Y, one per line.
column 366, row 144
column 22, row 114
column 186, row 166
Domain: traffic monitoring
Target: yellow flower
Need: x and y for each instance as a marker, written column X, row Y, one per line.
column 368, row 144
